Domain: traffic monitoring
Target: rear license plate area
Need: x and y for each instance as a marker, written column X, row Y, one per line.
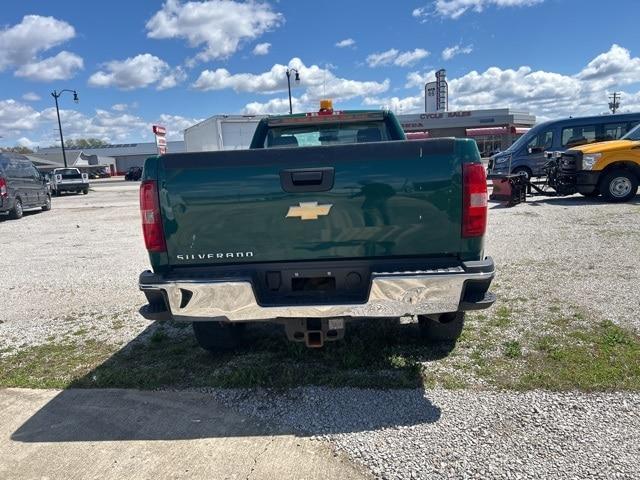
column 313, row 284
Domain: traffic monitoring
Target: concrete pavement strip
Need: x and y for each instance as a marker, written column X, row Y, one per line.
column 128, row 434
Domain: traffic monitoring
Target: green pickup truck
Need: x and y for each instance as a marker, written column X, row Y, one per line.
column 329, row 216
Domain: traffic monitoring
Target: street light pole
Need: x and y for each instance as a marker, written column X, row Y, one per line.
column 297, row 78
column 55, row 95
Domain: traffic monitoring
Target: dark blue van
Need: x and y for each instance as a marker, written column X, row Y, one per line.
column 22, row 186
column 527, row 153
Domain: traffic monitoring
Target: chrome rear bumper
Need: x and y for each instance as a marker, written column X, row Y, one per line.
column 393, row 294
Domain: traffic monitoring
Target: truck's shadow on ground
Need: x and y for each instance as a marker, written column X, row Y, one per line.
column 116, row 400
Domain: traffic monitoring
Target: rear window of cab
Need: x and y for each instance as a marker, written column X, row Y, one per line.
column 327, row 134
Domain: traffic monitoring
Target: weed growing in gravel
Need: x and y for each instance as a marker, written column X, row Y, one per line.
column 117, row 324
column 512, row 349
column 502, row 317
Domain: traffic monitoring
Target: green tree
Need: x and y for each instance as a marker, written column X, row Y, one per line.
column 16, row 149
column 80, row 143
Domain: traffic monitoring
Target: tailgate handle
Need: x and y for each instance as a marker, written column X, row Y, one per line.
column 307, row 180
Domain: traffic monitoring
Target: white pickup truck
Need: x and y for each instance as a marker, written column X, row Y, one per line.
column 68, row 180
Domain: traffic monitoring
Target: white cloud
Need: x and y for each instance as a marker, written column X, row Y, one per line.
column 347, row 42
column 34, row 34
column 25, row 142
column 418, row 12
column 261, row 48
column 274, row 106
column 545, row 94
column 16, row 117
column 395, row 57
column 60, row 67
column 317, row 81
column 342, row 89
column 450, row 52
column 219, row 26
column 31, row 97
column 21, row 44
column 382, row 58
column 409, row 58
column 111, row 127
column 613, row 67
column 417, row 79
column 456, row 8
column 172, row 79
column 176, row 124
column 396, row 104
column 19, row 123
column 137, row 72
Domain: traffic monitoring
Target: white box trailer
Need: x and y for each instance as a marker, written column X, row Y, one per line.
column 221, row 132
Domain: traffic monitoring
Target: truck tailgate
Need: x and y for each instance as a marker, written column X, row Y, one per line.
column 374, row 200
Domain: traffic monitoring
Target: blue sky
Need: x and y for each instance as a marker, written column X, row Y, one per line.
column 139, row 62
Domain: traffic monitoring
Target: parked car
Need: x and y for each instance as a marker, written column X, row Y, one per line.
column 134, row 173
column 104, row 173
column 526, row 155
column 330, row 216
column 22, row 186
column 69, row 180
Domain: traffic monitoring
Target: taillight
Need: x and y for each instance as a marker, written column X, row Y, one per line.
column 474, row 200
column 3, row 188
column 151, row 221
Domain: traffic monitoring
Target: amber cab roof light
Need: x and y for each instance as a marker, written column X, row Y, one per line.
column 326, row 107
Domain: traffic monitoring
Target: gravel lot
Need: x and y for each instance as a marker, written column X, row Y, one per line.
column 76, row 268
column 570, row 250
column 461, row 434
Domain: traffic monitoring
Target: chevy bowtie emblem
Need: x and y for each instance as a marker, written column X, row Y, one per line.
column 309, row 211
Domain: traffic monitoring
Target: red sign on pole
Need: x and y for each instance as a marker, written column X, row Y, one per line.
column 158, row 130
column 161, row 141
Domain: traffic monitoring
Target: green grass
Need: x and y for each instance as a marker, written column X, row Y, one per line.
column 53, row 365
column 371, row 357
column 574, row 353
column 601, row 358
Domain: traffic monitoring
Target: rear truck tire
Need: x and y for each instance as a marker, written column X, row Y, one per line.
column 16, row 212
column 57, row 192
column 47, row 204
column 85, row 191
column 619, row 185
column 445, row 327
column 218, row 336
column 523, row 171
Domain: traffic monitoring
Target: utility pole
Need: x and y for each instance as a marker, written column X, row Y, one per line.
column 614, row 104
column 56, row 95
